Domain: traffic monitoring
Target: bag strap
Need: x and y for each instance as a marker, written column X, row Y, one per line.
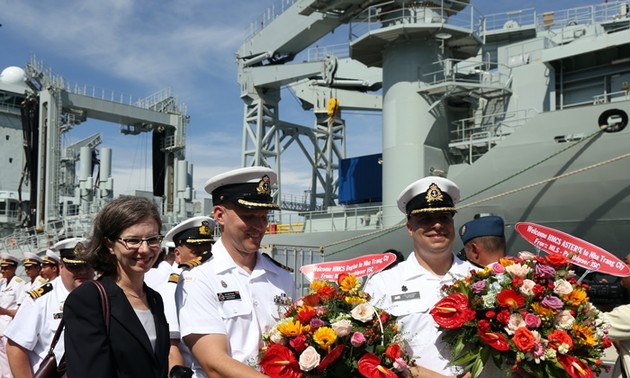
column 104, row 302
column 56, row 337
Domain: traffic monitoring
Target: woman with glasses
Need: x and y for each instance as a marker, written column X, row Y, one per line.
column 124, row 245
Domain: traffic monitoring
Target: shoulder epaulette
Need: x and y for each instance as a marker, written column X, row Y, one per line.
column 47, row 288
column 196, row 261
column 277, row 263
column 173, row 278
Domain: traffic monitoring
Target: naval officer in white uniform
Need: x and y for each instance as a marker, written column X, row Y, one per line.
column 229, row 301
column 192, row 242
column 33, row 267
column 411, row 288
column 33, row 328
column 11, row 295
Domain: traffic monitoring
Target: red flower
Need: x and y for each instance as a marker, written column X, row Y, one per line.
column 393, row 351
column 330, row 358
column 341, row 277
column 574, row 367
column 517, row 282
column 490, row 314
column 557, row 337
column 370, row 367
column 524, row 339
column 503, row 317
column 538, row 289
column 312, row 300
column 510, row 298
column 452, row 311
column 305, row 314
column 278, row 361
column 556, row 259
column 299, row 343
column 326, row 292
column 494, row 339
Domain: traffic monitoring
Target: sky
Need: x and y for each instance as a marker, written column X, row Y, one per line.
column 137, row 48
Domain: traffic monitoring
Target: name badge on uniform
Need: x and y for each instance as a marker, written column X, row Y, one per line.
column 57, row 315
column 406, row 296
column 229, row 296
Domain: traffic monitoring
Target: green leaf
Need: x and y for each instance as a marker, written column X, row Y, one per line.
column 466, row 357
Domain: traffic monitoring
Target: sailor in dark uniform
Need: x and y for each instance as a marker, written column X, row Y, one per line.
column 31, row 331
column 230, row 300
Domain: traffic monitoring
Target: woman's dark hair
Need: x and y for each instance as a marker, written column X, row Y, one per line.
column 116, row 216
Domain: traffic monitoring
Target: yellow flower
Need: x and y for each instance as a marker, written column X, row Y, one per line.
column 577, row 296
column 505, row 262
column 541, row 310
column 318, row 284
column 291, row 328
column 583, row 334
column 325, row 337
column 354, row 300
column 349, row 283
column 485, row 273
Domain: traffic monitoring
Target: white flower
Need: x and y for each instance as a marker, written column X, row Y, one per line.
column 342, row 327
column 363, row 312
column 489, row 300
column 527, row 286
column 526, row 255
column 562, row 287
column 564, row 320
column 276, row 337
column 518, row 270
column 309, row 359
column 516, row 322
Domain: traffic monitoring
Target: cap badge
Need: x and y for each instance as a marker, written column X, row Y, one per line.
column 434, row 194
column 204, row 229
column 263, row 186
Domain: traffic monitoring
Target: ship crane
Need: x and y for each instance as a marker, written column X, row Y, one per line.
column 409, row 60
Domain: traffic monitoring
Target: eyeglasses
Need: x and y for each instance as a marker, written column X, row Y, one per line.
column 135, row 243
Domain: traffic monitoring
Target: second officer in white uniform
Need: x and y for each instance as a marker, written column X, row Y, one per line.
column 31, row 331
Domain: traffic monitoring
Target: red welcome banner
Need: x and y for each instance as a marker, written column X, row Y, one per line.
column 582, row 253
column 358, row 266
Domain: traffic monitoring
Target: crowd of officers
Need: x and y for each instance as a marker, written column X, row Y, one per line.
column 220, row 295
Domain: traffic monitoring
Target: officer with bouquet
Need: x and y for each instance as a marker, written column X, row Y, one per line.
column 228, row 302
column 411, row 288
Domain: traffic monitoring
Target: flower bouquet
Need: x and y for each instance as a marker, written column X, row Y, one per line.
column 334, row 332
column 529, row 314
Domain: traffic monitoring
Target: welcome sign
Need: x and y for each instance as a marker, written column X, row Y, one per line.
column 581, row 252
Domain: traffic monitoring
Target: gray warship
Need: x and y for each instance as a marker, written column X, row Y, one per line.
column 51, row 189
column 526, row 111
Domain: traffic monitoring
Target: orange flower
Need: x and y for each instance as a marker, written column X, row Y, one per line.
column 541, row 310
column 524, row 339
column 557, row 337
column 556, row 259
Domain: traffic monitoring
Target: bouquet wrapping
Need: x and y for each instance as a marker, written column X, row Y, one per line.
column 335, row 332
column 528, row 314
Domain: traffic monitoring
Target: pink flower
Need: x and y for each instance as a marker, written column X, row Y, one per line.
column 357, row 339
column 498, row 269
column 532, row 321
column 342, row 327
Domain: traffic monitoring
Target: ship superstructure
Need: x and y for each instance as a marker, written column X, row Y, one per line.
column 52, row 190
column 526, row 111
